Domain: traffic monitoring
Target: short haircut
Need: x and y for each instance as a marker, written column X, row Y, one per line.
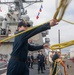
column 25, row 24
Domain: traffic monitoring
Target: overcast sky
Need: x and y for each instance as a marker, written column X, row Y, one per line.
column 48, row 10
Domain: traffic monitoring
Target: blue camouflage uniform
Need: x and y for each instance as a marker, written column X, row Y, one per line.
column 41, row 60
column 17, row 63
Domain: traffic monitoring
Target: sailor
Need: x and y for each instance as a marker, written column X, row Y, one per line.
column 17, row 64
column 41, row 60
column 56, row 59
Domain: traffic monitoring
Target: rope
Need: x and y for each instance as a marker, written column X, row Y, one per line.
column 57, row 71
column 55, row 63
column 53, row 47
column 53, row 68
column 59, row 14
column 62, row 45
column 67, row 21
column 61, row 9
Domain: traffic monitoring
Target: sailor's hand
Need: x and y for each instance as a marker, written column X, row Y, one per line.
column 46, row 46
column 53, row 22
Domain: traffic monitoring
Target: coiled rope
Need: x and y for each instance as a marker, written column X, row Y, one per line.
column 62, row 45
column 61, row 9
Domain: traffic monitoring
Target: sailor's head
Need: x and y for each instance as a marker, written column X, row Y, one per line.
column 23, row 25
column 41, row 52
column 27, row 19
column 58, row 52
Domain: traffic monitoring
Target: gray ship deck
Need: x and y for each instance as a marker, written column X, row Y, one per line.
column 35, row 72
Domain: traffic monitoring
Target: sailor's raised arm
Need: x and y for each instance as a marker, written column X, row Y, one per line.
column 41, row 28
column 38, row 29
